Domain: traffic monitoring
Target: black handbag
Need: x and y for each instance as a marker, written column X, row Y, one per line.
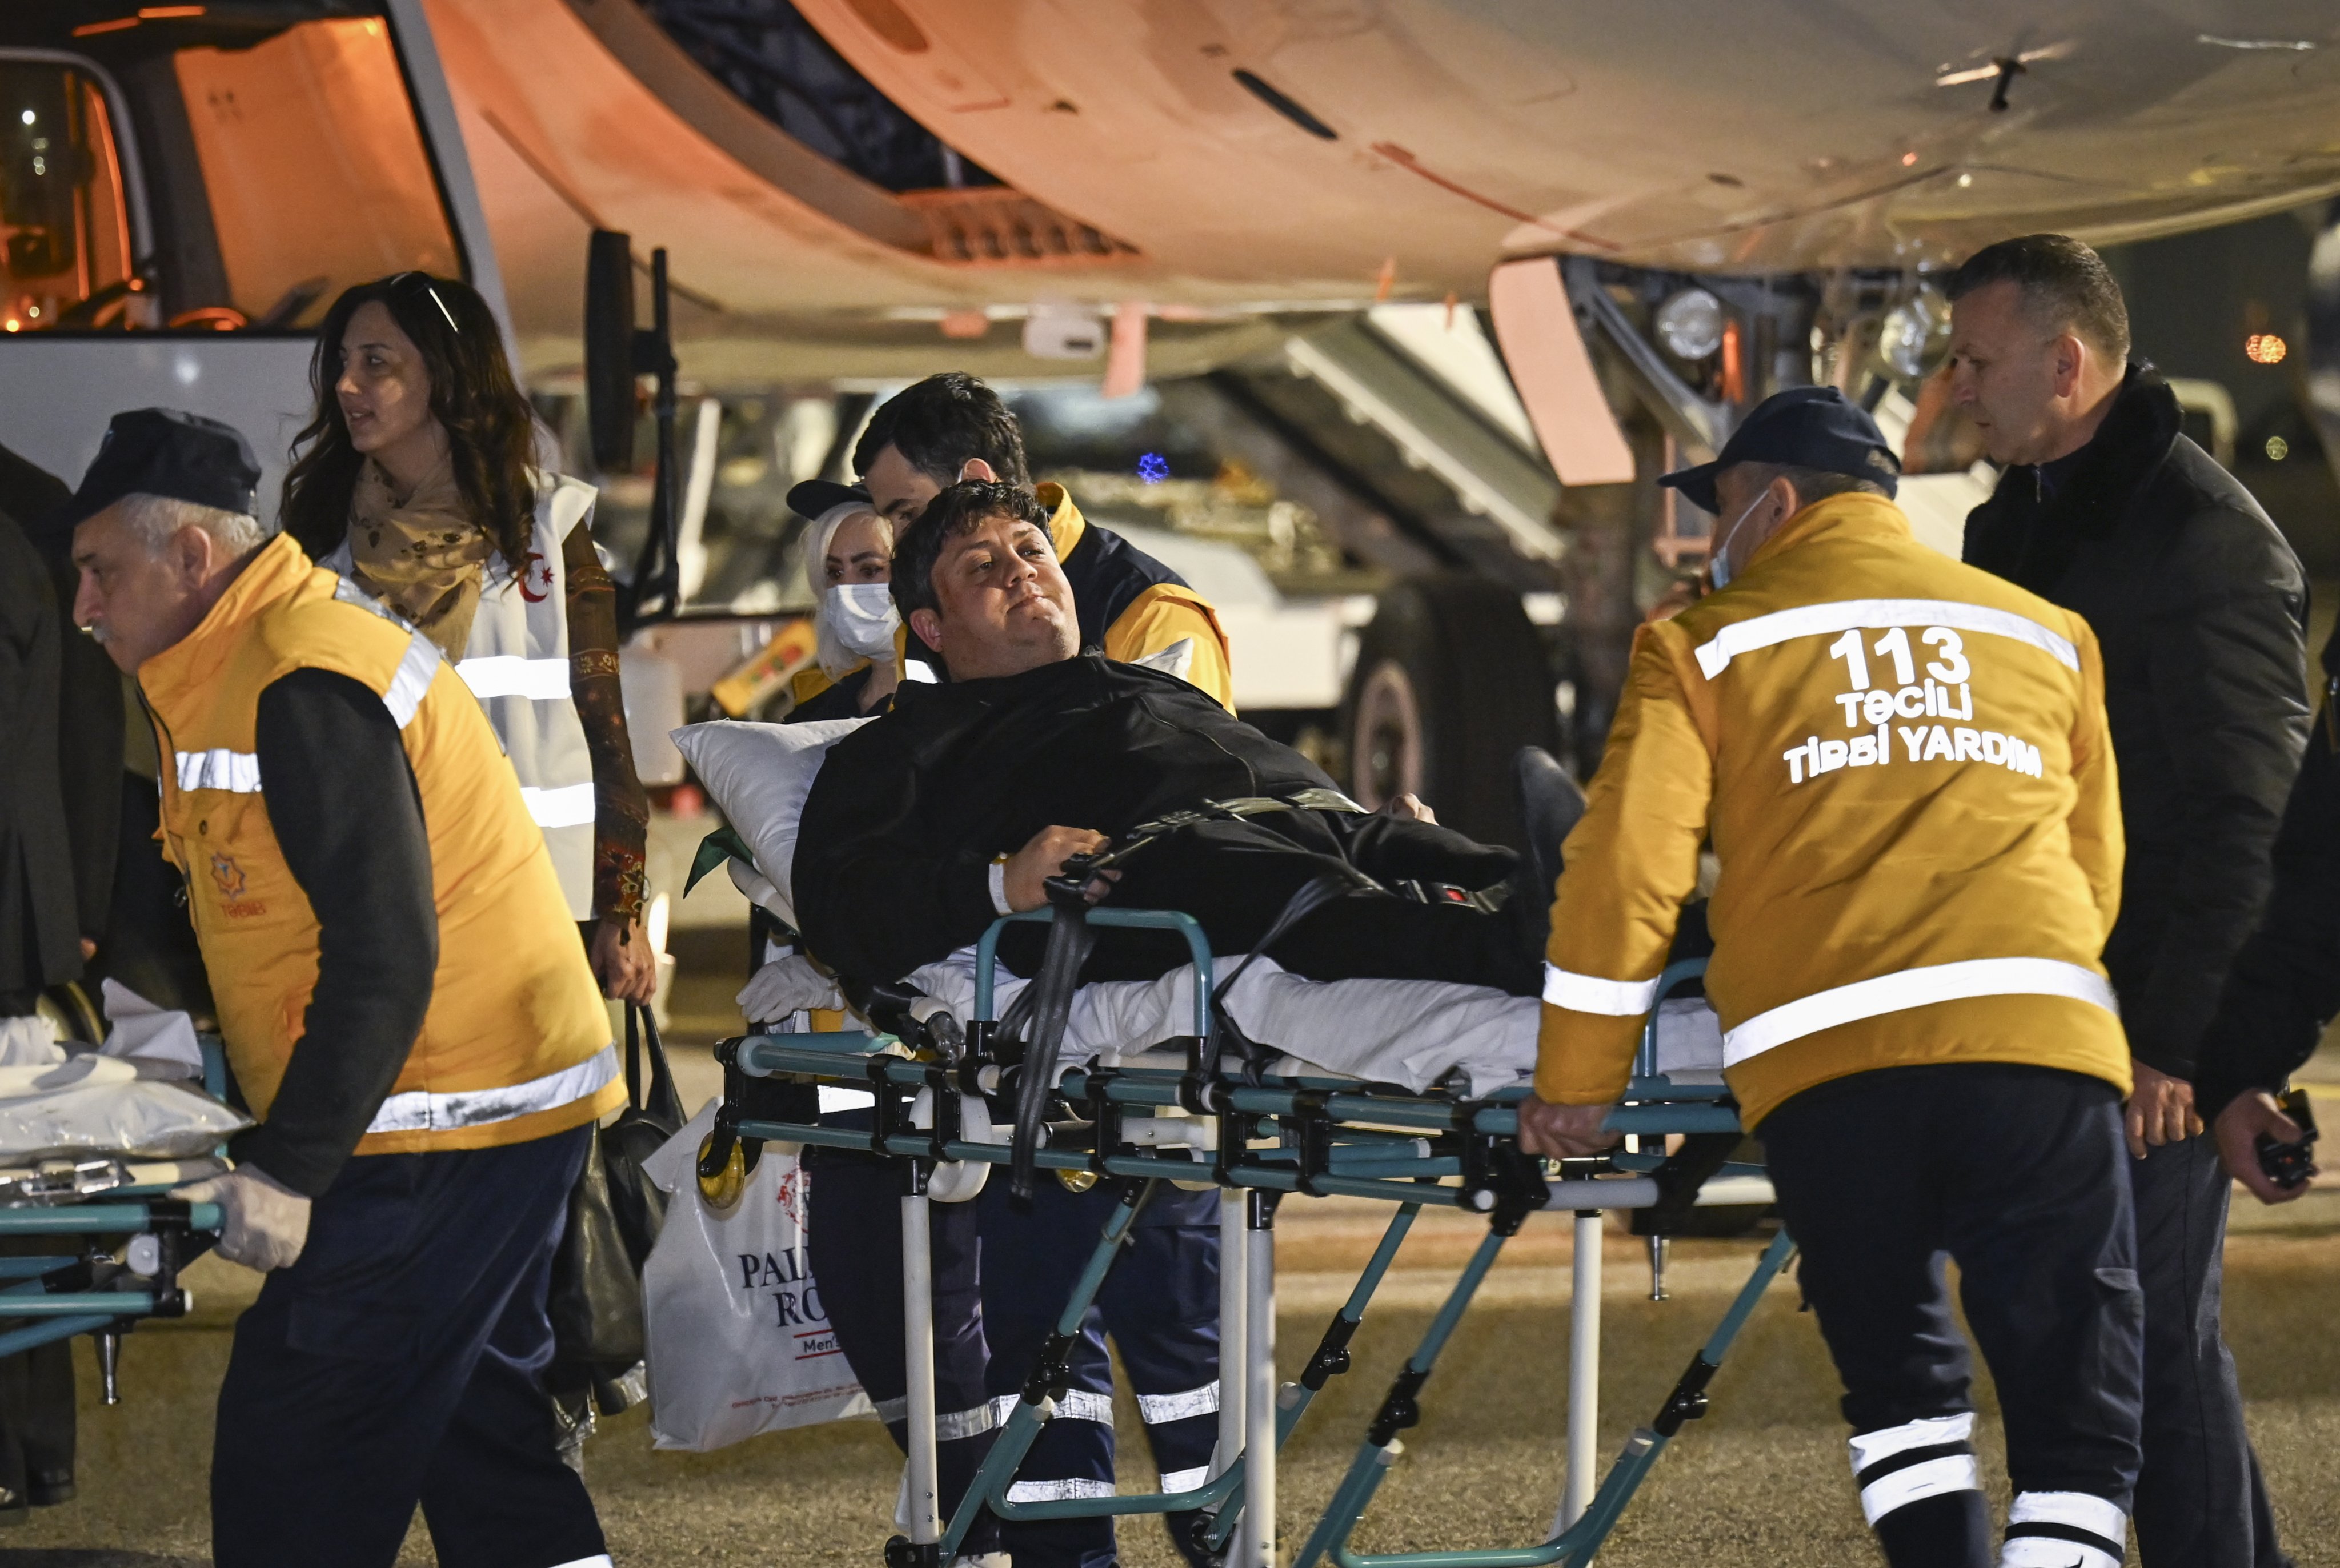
column 614, row 1214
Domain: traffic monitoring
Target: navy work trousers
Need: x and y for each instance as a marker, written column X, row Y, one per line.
column 853, row 1236
column 1160, row 1304
column 2018, row 1173
column 2200, row 1502
column 399, row 1363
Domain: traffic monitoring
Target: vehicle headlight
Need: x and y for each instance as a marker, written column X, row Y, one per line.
column 1690, row 324
column 1914, row 334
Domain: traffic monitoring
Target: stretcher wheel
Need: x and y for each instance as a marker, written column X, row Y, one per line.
column 721, row 1192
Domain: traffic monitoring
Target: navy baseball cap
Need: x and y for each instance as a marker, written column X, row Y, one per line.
column 812, row 496
column 163, row 451
column 1803, row 427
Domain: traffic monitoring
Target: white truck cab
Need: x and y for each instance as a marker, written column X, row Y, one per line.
column 184, row 191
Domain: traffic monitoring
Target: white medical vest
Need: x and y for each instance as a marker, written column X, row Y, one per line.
column 517, row 664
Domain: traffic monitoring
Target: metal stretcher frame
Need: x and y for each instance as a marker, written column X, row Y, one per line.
column 57, row 1295
column 1331, row 1137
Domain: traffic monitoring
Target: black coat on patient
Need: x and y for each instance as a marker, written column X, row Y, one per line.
column 892, row 868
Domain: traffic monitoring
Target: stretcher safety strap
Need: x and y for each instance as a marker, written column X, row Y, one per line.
column 510, row 675
column 418, row 1110
column 1916, row 987
column 237, row 773
column 1157, row 1409
column 566, row 805
column 1059, row 1491
column 1714, row 656
column 2064, row 1529
column 1186, row 1480
column 1591, row 993
column 1906, row 1463
column 412, row 680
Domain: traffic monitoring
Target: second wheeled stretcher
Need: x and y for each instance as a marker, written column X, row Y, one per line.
column 1191, row 1111
column 91, row 1240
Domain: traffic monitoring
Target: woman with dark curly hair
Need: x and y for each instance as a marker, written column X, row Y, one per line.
column 415, row 480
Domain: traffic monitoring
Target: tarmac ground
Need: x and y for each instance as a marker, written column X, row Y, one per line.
column 1761, row 1481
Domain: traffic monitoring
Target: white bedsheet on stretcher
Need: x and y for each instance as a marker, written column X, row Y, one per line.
column 1410, row 1033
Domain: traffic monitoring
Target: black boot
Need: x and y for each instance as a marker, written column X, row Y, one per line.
column 1949, row 1529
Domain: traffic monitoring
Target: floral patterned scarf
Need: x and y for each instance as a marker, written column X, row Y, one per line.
column 424, row 559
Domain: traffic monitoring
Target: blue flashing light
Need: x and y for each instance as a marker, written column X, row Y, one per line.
column 1154, row 468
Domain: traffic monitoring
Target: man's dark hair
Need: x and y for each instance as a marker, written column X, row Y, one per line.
column 939, row 423
column 955, row 510
column 2066, row 286
column 1818, row 484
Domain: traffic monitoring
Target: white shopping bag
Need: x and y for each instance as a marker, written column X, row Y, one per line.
column 739, row 1342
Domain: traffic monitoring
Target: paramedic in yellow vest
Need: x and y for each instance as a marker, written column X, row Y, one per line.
column 407, row 1011
column 952, row 427
column 1903, row 767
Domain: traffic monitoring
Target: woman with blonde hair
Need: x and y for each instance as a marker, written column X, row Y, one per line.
column 849, row 559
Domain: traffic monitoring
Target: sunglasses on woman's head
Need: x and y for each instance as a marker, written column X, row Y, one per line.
column 432, row 289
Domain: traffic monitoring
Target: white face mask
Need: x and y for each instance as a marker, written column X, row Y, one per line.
column 1721, row 569
column 862, row 617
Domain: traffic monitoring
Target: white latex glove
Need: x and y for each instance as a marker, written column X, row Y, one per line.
column 784, row 986
column 266, row 1222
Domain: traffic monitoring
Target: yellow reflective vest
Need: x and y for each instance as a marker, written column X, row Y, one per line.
column 1129, row 608
column 1903, row 767
column 516, row 1043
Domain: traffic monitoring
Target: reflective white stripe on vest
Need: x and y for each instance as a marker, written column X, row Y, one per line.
column 1176, row 660
column 1876, row 614
column 1057, row 1491
column 421, row 1111
column 1186, row 1480
column 2066, row 1512
column 1081, row 1405
column 571, row 806
column 1918, row 987
column 510, row 675
column 412, row 680
column 219, row 768
column 1591, row 993
column 1154, row 1409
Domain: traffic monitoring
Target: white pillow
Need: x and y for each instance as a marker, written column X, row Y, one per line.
column 759, row 776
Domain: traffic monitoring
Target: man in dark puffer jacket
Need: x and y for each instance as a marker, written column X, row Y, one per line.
column 2200, row 607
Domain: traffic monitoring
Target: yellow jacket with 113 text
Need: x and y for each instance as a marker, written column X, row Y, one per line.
column 1903, row 767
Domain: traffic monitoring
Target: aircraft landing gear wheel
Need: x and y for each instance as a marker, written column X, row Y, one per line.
column 1452, row 678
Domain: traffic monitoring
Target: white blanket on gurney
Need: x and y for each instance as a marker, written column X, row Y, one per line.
column 130, row 1097
column 1410, row 1033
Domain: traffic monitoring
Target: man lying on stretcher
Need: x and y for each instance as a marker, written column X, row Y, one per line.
column 953, row 809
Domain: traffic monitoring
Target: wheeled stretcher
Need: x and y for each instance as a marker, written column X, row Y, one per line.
column 91, row 1241
column 1193, row 1112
